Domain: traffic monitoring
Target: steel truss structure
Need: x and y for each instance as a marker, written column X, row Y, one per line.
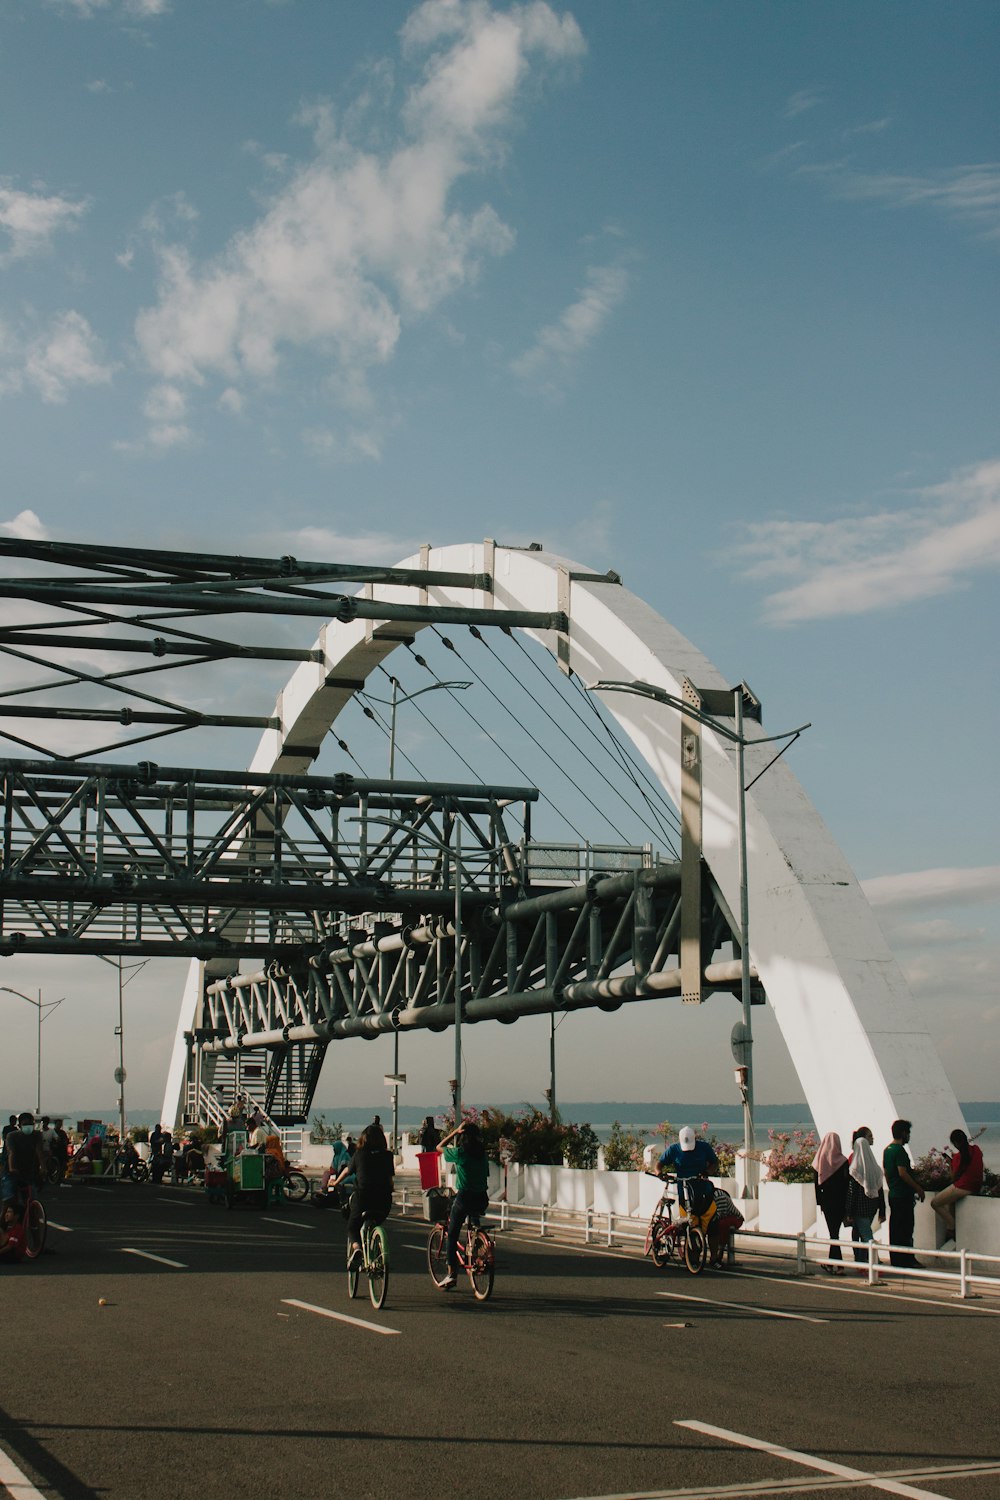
column 343, row 890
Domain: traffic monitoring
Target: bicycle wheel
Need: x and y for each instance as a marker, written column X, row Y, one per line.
column 53, row 1171
column 661, row 1243
column 296, row 1187
column 140, row 1171
column 481, row 1265
column 353, row 1275
column 378, row 1266
column 695, row 1248
column 437, row 1254
column 35, row 1226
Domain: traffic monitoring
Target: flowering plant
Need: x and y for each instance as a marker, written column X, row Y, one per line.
column 933, row 1170
column 726, row 1152
column 791, row 1155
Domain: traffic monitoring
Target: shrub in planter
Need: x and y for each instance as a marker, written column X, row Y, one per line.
column 581, row 1146
column 140, row 1133
column 791, row 1155
column 322, row 1133
column 624, row 1150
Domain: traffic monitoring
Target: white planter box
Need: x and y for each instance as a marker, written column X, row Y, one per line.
column 650, row 1193
column 515, row 1182
column 574, row 1188
column 410, row 1154
column 538, row 1184
column 616, row 1192
column 787, row 1207
column 977, row 1221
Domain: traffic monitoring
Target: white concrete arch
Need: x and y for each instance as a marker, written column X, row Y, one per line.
column 851, row 1027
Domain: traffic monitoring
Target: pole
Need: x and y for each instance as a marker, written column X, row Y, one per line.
column 38, row 1089
column 748, row 1133
column 552, row 1065
column 392, row 732
column 395, row 1092
column 458, row 971
column 121, row 1054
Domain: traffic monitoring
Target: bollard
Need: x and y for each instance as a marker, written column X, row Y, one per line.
column 800, row 1255
column 963, row 1273
column 589, row 1226
column 872, row 1264
column 541, row 1230
column 611, row 1225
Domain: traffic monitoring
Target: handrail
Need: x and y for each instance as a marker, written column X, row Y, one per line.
column 624, row 1227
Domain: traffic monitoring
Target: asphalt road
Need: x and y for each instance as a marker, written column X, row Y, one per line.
column 209, row 1378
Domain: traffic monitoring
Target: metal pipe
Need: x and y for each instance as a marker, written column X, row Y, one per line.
column 609, row 888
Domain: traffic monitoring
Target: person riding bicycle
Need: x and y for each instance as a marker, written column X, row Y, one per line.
column 688, row 1158
column 23, row 1160
column 373, row 1166
column 472, row 1170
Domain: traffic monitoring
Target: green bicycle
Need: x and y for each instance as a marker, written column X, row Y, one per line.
column 374, row 1264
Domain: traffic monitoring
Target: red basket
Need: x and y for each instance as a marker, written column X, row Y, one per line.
column 429, row 1167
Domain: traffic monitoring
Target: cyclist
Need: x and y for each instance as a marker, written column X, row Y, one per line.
column 373, row 1166
column 472, row 1169
column 688, row 1158
column 23, row 1159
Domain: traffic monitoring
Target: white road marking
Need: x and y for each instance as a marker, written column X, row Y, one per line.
column 18, row 1485
column 326, row 1312
column 148, row 1255
column 177, row 1202
column 66, row 1229
column 809, row 1461
column 765, row 1312
column 287, row 1224
column 947, row 1300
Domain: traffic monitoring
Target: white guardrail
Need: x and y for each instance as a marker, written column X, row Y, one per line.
column 613, row 1229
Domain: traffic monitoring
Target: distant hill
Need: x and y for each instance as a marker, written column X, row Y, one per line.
column 591, row 1112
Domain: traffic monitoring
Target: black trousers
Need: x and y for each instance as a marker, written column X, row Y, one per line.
column 901, row 1214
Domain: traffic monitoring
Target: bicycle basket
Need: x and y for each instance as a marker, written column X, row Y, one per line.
column 437, row 1206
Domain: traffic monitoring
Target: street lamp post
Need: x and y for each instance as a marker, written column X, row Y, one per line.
column 44, row 1010
column 454, row 851
column 393, row 702
column 744, row 1046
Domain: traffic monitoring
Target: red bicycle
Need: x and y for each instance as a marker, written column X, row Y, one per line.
column 26, row 1236
column 684, row 1240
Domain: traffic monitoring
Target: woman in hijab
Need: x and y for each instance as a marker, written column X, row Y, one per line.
column 865, row 1191
column 830, row 1178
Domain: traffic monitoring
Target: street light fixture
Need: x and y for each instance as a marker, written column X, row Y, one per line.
column 455, row 852
column 742, row 1043
column 432, row 687
column 44, row 1010
column 397, row 698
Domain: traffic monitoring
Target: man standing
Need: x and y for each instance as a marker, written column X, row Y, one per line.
column 903, row 1188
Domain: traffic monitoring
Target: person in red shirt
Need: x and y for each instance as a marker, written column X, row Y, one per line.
column 966, row 1179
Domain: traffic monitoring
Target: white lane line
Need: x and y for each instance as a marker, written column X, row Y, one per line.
column 409, row 1245
column 325, row 1312
column 809, row 1461
column 947, row 1301
column 177, row 1202
column 287, row 1224
column 765, row 1312
column 148, row 1255
column 18, row 1485
column 66, row 1229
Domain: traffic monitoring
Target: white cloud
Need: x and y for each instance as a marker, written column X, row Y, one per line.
column 139, row 8
column 358, row 243
column 934, row 888
column 969, row 193
column 859, row 563
column 52, row 360
column 325, row 544
column 25, row 525
column 68, row 353
column 31, row 220
column 562, row 342
column 801, row 101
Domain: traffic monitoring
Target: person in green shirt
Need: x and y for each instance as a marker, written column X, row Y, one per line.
column 472, row 1168
column 903, row 1188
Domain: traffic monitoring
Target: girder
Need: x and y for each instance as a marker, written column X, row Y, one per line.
column 126, row 859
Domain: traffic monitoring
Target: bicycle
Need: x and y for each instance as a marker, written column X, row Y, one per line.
column 374, row 1263
column 683, row 1239
column 128, row 1163
column 477, row 1256
column 27, row 1238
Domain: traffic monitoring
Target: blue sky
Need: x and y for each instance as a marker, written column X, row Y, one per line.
column 705, row 293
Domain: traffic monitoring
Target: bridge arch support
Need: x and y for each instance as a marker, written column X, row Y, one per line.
column 851, row 1027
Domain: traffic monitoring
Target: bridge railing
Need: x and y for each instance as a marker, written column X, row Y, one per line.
column 961, row 1270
